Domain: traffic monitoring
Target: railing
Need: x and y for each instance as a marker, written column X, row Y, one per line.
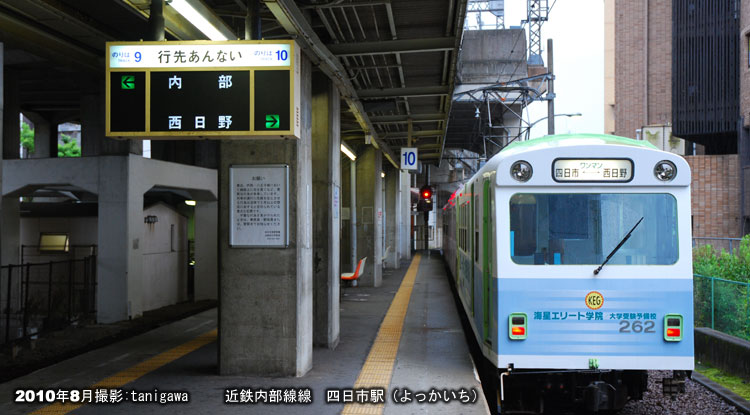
column 723, row 305
column 35, row 298
column 31, row 253
column 727, row 244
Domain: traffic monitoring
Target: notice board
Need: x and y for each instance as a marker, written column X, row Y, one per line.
column 259, row 206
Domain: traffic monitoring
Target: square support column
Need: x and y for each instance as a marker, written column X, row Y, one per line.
column 326, row 176
column 45, row 135
column 206, row 251
column 266, row 294
column 370, row 215
column 11, row 112
column 347, row 251
column 405, row 228
column 10, row 237
column 93, row 140
column 2, row 129
column 392, row 217
column 120, row 235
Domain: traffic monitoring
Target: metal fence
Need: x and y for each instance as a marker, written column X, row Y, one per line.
column 46, row 296
column 722, row 305
column 32, row 253
column 719, row 244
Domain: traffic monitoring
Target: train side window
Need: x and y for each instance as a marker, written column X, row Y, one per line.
column 477, row 226
column 476, row 246
column 523, row 224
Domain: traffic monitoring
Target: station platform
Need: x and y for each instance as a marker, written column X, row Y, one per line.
column 405, row 336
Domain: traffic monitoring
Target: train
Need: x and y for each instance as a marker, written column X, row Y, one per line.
column 571, row 256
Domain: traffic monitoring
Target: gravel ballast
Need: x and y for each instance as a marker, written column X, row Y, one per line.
column 697, row 399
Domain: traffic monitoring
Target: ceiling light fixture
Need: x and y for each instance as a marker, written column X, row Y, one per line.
column 348, row 151
column 197, row 19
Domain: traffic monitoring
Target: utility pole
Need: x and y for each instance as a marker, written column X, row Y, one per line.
column 550, row 91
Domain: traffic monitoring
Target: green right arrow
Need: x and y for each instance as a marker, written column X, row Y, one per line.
column 272, row 121
column 127, row 82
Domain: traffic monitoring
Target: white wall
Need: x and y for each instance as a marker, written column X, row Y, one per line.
column 164, row 271
column 164, row 259
column 119, row 182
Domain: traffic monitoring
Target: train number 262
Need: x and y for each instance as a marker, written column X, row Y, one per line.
column 637, row 326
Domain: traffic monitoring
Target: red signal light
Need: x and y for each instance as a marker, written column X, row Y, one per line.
column 426, row 192
column 673, row 332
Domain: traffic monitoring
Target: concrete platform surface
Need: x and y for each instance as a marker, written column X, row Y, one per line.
column 432, row 364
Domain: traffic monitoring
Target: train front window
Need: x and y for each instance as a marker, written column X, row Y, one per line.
column 583, row 228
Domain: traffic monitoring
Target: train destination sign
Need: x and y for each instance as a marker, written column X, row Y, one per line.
column 203, row 89
column 592, row 170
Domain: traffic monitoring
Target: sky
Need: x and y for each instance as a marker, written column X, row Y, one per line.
column 577, row 30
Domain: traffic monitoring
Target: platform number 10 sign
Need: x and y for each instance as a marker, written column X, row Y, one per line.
column 408, row 158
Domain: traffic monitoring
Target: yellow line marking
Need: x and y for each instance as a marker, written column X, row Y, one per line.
column 132, row 373
column 378, row 367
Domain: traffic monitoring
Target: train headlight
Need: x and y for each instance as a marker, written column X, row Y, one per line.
column 673, row 327
column 521, row 171
column 665, row 170
column 517, row 326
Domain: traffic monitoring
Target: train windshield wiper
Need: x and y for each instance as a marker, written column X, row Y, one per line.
column 596, row 271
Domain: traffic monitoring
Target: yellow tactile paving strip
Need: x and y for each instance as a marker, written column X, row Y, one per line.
column 130, row 374
column 378, row 368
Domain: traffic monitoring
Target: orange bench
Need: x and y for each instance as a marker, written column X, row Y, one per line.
column 353, row 276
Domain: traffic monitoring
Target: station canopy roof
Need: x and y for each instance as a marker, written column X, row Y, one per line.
column 393, row 61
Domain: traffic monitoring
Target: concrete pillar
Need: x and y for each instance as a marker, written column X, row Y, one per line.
column 42, row 142
column 206, row 251
column 120, row 236
column 11, row 113
column 2, row 129
column 10, row 239
column 266, row 294
column 405, row 227
column 45, row 136
column 345, row 253
column 326, row 177
column 369, row 215
column 392, row 216
column 11, row 141
column 93, row 140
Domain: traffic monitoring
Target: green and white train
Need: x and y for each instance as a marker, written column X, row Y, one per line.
column 572, row 258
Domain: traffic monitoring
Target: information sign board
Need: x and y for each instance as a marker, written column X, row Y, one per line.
column 259, row 206
column 203, row 89
column 408, row 158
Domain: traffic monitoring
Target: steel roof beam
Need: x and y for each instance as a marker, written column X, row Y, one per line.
column 393, row 46
column 404, row 119
column 43, row 43
column 293, row 20
column 351, row 3
column 424, row 133
column 420, row 91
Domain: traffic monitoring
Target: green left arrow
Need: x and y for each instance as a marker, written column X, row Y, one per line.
column 127, row 82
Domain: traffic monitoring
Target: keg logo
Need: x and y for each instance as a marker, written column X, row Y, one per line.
column 594, row 300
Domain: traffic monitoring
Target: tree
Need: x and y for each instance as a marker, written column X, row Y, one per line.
column 68, row 148
column 27, row 138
